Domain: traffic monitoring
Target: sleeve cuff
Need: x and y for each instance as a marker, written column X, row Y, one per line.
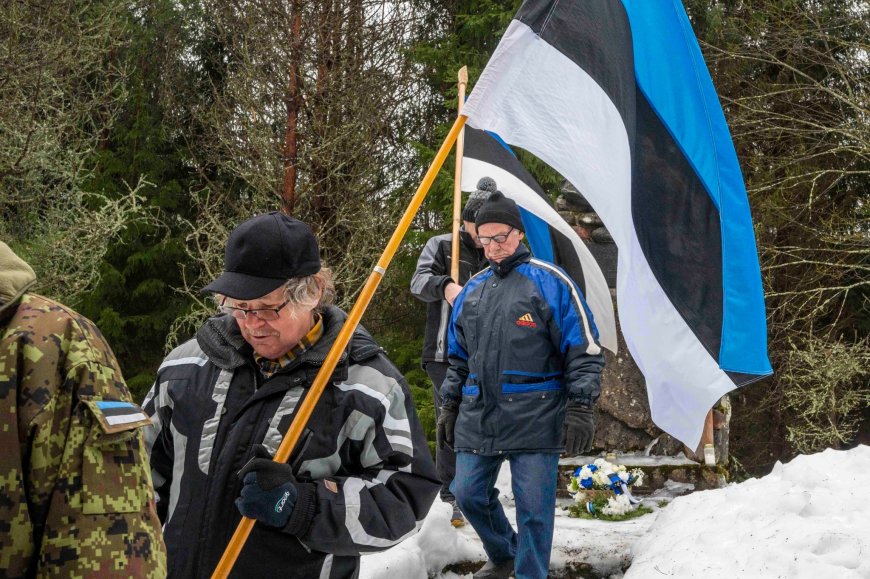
column 303, row 513
column 443, row 284
column 581, row 399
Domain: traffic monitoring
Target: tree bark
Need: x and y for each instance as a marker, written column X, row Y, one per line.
column 294, row 105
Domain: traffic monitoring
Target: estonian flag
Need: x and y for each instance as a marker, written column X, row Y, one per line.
column 615, row 96
column 550, row 236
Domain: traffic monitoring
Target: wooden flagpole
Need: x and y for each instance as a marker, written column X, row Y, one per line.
column 238, row 539
column 457, row 179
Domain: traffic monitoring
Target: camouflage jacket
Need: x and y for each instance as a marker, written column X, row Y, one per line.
column 75, row 491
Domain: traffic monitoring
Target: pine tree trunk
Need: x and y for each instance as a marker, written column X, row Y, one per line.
column 294, row 105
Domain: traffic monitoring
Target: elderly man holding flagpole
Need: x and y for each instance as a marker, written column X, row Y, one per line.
column 360, row 478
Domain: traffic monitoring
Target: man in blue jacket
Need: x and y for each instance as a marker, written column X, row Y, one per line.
column 525, row 372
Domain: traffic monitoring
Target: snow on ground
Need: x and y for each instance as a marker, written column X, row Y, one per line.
column 603, row 546
column 805, row 520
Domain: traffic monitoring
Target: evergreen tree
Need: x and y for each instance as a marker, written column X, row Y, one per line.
column 137, row 298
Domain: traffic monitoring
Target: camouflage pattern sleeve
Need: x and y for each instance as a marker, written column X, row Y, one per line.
column 77, row 456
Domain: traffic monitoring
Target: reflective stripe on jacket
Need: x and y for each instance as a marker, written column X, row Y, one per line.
column 367, row 478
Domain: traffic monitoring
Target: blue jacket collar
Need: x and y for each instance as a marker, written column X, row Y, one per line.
column 521, row 255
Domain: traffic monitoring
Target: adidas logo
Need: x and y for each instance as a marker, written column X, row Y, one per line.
column 526, row 320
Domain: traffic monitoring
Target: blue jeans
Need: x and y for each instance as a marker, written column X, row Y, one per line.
column 533, row 480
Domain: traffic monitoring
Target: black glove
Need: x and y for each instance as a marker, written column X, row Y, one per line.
column 446, row 425
column 269, row 491
column 578, row 429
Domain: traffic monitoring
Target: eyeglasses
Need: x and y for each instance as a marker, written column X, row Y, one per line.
column 500, row 238
column 265, row 314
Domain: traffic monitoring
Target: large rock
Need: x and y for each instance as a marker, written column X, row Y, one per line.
column 605, row 255
column 569, row 216
column 589, row 219
column 601, row 235
column 623, row 421
column 574, row 198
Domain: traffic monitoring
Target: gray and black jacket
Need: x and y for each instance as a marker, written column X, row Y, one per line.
column 365, row 476
column 428, row 282
column 522, row 344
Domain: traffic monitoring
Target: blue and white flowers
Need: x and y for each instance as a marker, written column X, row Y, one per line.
column 593, row 483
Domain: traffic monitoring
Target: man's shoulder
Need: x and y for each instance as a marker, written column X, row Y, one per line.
column 437, row 243
column 42, row 316
column 546, row 269
column 50, row 344
column 549, row 279
column 189, row 353
column 543, row 264
column 60, row 333
column 479, row 277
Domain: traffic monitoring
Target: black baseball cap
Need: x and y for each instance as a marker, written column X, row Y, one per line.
column 264, row 252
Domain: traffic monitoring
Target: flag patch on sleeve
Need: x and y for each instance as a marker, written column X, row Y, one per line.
column 116, row 415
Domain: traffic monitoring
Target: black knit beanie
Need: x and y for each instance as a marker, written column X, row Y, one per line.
column 499, row 209
column 485, row 187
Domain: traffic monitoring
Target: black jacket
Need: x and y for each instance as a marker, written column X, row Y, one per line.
column 428, row 282
column 522, row 344
column 366, row 478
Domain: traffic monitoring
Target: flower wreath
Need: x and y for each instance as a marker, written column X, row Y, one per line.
column 605, row 488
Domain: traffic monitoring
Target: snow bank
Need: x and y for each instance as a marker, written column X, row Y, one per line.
column 601, row 546
column 807, row 519
column 425, row 554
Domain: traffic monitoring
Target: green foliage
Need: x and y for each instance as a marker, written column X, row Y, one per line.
column 580, row 511
column 827, row 385
column 136, row 300
column 63, row 81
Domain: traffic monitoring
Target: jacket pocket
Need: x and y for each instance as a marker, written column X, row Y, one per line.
column 115, row 475
column 534, row 410
column 471, row 390
column 468, row 422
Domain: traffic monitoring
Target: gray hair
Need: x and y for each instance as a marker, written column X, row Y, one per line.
column 311, row 292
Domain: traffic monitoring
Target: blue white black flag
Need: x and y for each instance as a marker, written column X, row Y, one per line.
column 616, row 97
column 549, row 235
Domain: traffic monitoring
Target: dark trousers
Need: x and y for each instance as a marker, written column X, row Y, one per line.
column 445, row 459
